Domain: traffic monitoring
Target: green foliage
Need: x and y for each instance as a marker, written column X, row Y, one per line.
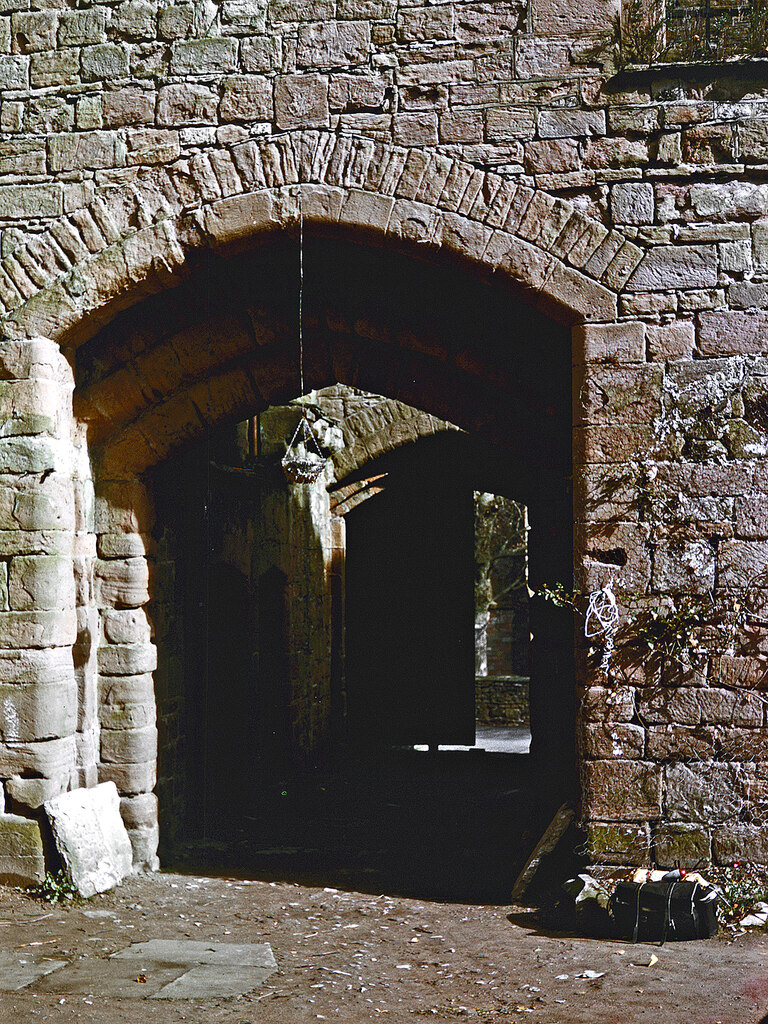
column 55, row 888
column 741, row 888
column 671, row 630
column 676, row 628
column 557, row 595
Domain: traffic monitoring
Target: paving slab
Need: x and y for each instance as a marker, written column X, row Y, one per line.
column 165, row 969
column 108, row 979
column 179, row 951
column 220, row 982
column 17, row 971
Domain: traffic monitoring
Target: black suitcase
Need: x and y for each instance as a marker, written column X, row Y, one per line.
column 657, row 911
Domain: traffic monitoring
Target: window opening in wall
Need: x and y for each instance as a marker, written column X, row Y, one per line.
column 681, row 31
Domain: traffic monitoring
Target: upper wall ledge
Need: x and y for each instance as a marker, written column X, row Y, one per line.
column 732, row 66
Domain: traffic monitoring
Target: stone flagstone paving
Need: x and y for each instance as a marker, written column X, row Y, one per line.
column 158, row 969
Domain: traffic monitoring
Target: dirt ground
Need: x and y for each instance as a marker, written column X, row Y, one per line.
column 347, row 956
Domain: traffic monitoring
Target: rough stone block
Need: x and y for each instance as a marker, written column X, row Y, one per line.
column 37, row 711
column 135, row 19
column 611, row 843
column 741, row 562
column 565, row 122
column 152, row 146
column 121, row 582
column 91, row 837
column 105, row 61
column 702, row 792
column 125, row 691
column 357, row 92
column 38, row 628
column 684, row 565
column 632, row 203
column 614, row 739
column 130, row 778
column 41, row 582
column 751, row 517
column 462, row 126
column 83, row 27
column 33, row 793
column 86, row 149
column 246, row 98
column 687, row 844
column 681, row 705
column 608, row 704
column 124, row 545
column 608, row 545
column 301, row 101
column 741, row 672
column 416, row 128
column 51, row 665
column 144, row 842
column 46, row 69
column 747, row 843
column 209, row 55
column 692, row 742
column 19, row 202
column 622, row 790
column 619, row 394
column 116, row 717
column 610, row 343
column 333, row 44
column 129, row 746
column 261, row 54
column 681, row 266
column 614, row 154
column 139, row 811
column 732, row 332
column 736, row 256
column 671, row 341
column 131, row 105
column 21, row 851
column 184, row 104
column 510, row 122
column 127, row 659
column 14, row 72
column 45, row 759
column 175, row 21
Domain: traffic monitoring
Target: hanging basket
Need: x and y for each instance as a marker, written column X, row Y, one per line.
column 303, row 461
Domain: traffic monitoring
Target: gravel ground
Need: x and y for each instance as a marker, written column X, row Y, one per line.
column 350, row 956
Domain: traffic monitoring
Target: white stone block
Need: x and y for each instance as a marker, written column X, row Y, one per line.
column 91, row 837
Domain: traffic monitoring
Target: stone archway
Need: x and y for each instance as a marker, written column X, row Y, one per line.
column 139, row 241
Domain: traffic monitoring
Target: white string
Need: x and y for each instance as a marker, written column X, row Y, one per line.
column 602, row 620
column 301, row 295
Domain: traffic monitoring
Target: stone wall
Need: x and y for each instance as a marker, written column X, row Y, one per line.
column 136, row 138
column 502, row 700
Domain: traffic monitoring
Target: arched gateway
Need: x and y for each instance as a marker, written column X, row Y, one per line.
column 192, row 246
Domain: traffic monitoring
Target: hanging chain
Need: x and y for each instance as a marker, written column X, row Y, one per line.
column 301, row 295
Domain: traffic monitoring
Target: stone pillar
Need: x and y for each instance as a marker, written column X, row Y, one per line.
column 126, row 658
column 38, row 625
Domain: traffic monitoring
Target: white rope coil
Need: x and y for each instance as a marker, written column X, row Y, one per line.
column 602, row 621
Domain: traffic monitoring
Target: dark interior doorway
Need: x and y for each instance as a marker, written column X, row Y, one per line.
column 410, row 605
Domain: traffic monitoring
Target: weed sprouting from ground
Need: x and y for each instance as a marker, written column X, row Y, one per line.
column 55, row 888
